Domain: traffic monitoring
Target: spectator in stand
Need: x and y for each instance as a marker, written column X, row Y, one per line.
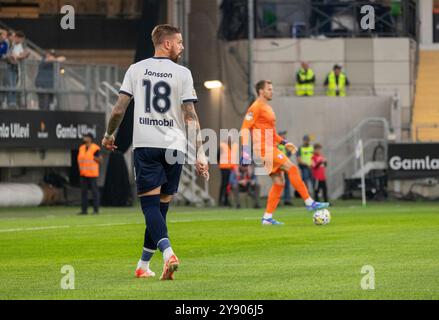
column 16, row 55
column 46, row 79
column 336, row 82
column 243, row 179
column 9, row 36
column 305, row 81
column 396, row 13
column 4, row 45
column 4, row 48
column 319, row 164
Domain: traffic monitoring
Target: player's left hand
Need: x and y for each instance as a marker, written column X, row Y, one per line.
column 202, row 166
column 202, row 169
column 291, row 147
column 108, row 143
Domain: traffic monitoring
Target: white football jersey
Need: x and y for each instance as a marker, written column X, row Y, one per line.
column 159, row 87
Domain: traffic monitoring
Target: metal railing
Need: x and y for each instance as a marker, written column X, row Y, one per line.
column 360, row 90
column 321, row 91
column 33, row 84
column 302, row 19
column 374, row 133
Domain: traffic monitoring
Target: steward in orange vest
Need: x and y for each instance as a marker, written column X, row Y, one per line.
column 89, row 159
column 228, row 161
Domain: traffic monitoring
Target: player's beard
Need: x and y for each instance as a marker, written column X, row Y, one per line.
column 175, row 56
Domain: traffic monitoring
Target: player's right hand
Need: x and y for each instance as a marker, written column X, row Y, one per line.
column 108, row 143
column 291, row 147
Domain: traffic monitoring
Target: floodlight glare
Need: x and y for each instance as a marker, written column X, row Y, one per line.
column 213, row 84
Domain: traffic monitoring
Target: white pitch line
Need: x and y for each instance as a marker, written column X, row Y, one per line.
column 215, row 219
column 114, row 224
column 34, row 229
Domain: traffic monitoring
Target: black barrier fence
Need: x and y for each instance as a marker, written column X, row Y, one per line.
column 413, row 161
column 319, row 18
column 48, row 129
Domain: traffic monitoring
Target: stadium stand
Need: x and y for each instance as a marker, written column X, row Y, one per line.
column 425, row 125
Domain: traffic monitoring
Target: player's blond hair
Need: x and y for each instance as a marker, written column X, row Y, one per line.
column 161, row 32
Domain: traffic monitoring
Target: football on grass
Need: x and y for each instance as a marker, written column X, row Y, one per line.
column 322, row 217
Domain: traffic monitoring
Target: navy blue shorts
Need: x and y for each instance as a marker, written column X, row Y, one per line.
column 152, row 170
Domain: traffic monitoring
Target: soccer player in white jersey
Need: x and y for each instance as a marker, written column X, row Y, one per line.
column 164, row 98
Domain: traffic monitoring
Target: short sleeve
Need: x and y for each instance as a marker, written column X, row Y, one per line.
column 127, row 84
column 250, row 117
column 188, row 94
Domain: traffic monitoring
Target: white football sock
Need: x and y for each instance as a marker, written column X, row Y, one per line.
column 268, row 215
column 168, row 253
column 309, row 202
column 144, row 265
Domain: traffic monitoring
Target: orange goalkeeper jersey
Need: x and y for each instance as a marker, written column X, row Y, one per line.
column 261, row 121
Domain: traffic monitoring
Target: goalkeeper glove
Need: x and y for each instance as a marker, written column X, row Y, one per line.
column 246, row 158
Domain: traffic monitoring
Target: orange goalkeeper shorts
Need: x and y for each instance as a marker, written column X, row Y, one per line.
column 273, row 160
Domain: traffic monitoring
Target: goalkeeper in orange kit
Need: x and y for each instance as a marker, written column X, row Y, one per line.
column 260, row 125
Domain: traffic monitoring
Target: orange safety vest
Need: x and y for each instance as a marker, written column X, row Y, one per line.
column 88, row 167
column 228, row 156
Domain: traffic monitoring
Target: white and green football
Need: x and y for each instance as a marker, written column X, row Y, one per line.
column 322, row 217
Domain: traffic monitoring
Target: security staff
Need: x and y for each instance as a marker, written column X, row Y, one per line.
column 227, row 162
column 304, row 159
column 89, row 159
column 305, row 81
column 336, row 83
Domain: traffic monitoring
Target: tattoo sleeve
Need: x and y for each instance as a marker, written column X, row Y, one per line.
column 192, row 123
column 118, row 113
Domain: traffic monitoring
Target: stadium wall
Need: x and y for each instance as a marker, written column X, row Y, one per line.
column 375, row 67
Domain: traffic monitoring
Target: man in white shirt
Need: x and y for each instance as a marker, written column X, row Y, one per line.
column 164, row 98
column 16, row 55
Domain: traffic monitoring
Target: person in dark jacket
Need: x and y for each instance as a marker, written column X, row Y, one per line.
column 45, row 79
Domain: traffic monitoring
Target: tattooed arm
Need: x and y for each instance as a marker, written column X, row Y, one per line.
column 192, row 123
column 116, row 118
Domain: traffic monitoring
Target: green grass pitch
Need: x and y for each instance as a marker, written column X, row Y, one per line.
column 225, row 254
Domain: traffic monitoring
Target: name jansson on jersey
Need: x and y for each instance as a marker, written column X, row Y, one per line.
column 157, row 74
column 154, row 122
